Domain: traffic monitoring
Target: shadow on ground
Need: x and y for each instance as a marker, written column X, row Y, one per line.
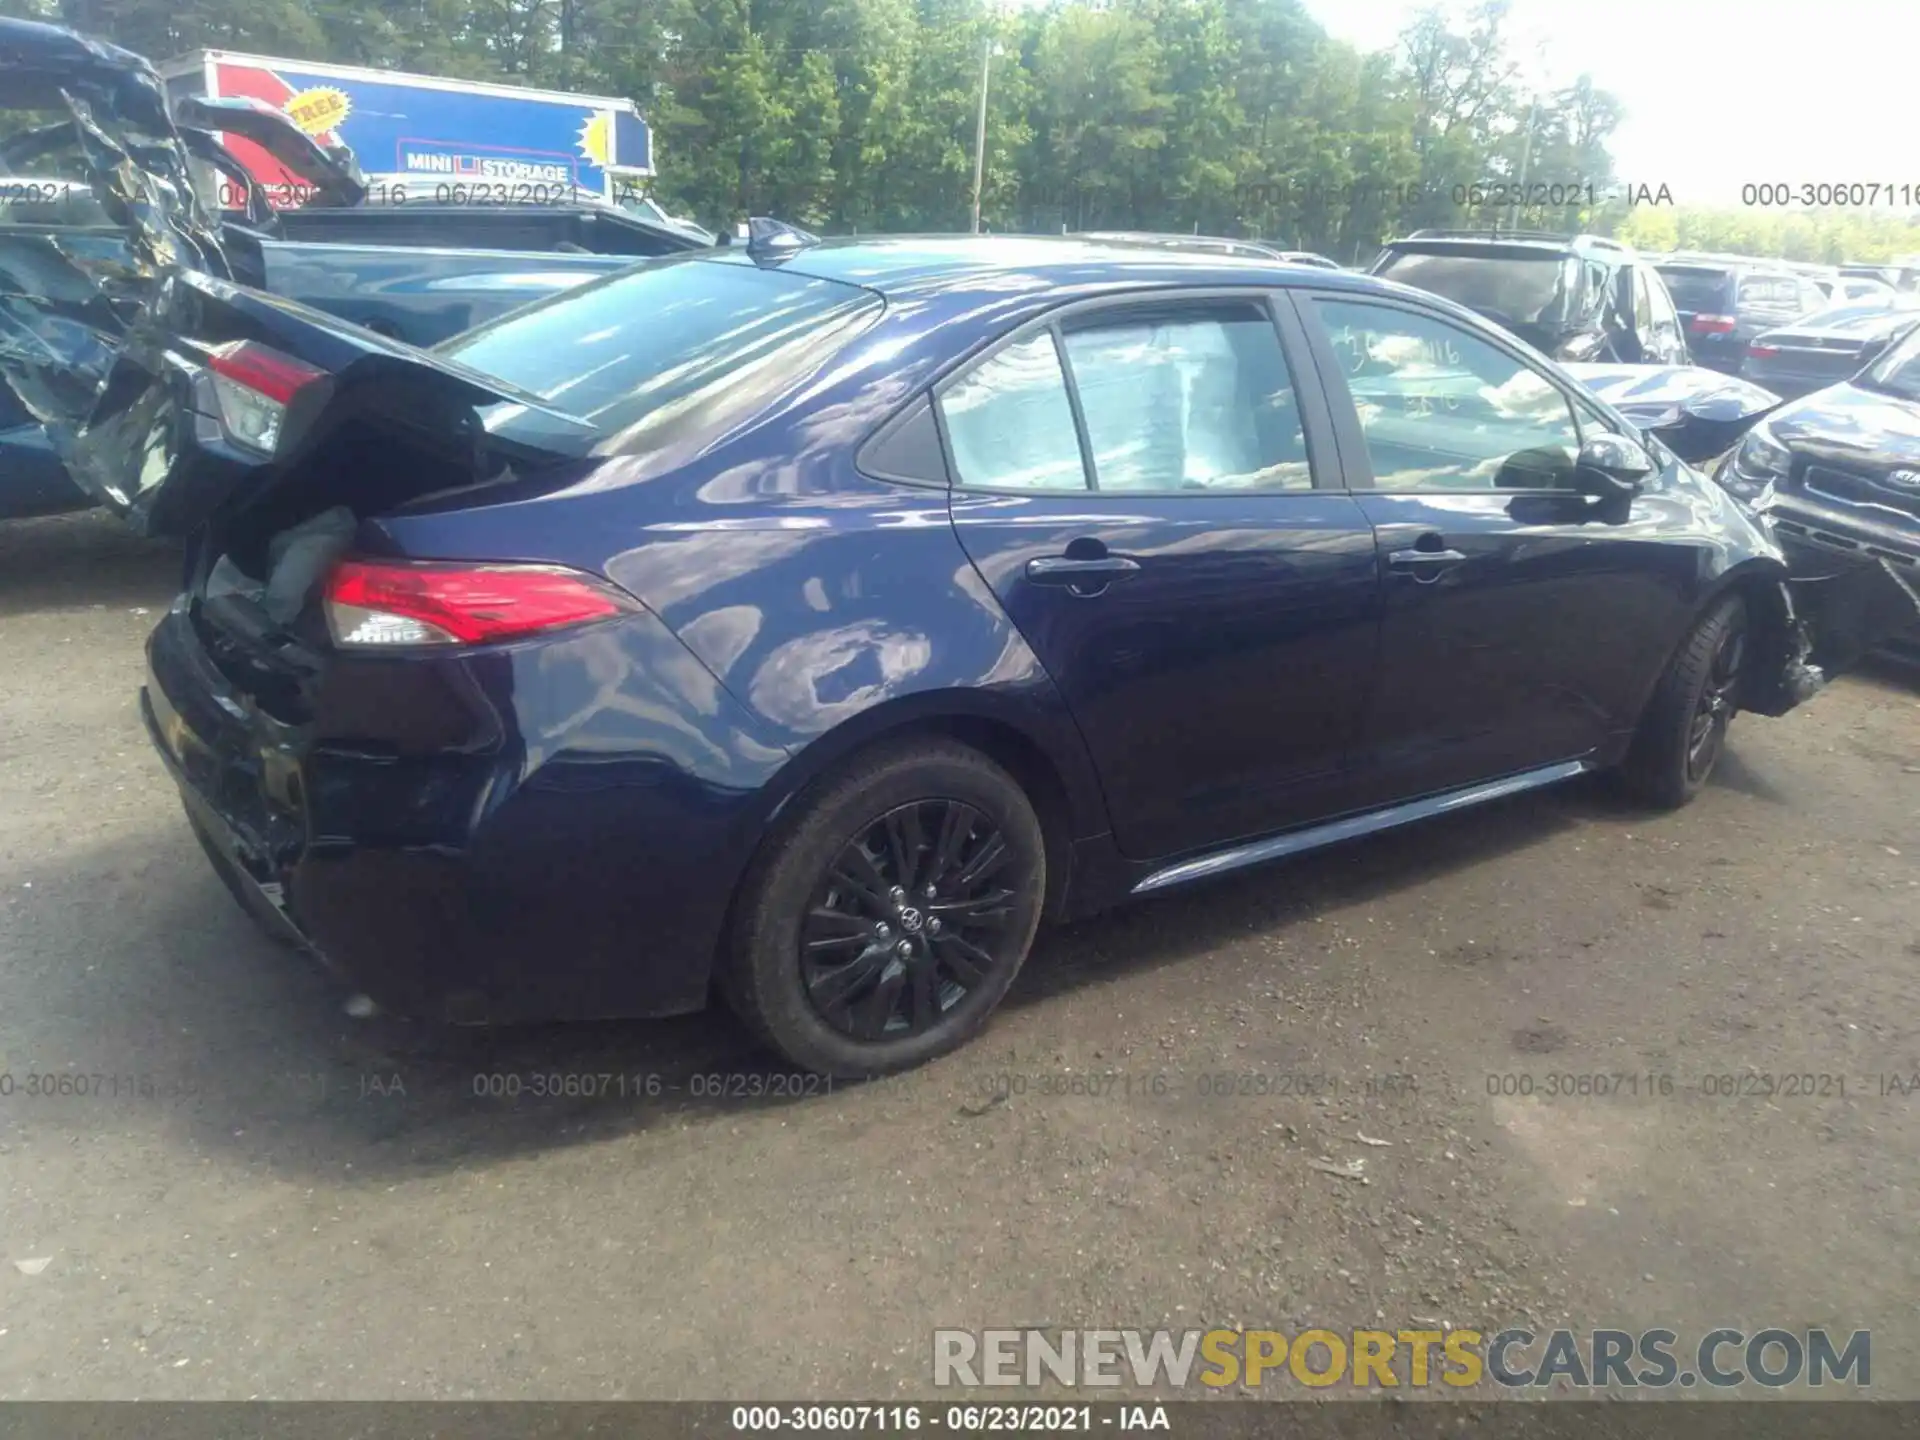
column 147, row 970
column 65, row 561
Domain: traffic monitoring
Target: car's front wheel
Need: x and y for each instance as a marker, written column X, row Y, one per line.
column 1683, row 733
column 887, row 917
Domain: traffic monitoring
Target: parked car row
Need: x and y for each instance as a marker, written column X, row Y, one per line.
column 1724, row 302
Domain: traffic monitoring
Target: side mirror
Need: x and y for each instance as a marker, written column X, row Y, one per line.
column 1612, row 467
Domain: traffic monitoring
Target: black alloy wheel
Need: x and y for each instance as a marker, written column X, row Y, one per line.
column 888, row 914
column 910, row 916
column 1713, row 712
column 1683, row 732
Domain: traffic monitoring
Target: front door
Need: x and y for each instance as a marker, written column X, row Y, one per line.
column 1137, row 484
column 1522, row 618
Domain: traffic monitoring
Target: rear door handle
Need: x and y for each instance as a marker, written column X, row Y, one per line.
column 1424, row 565
column 1065, row 570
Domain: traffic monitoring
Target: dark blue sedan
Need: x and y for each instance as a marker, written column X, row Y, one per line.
column 809, row 624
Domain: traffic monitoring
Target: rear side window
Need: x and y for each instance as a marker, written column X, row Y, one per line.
column 1010, row 422
column 668, row 344
column 1192, row 396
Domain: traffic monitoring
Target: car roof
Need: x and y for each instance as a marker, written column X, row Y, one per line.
column 1012, row 264
column 1440, row 242
column 1172, row 240
column 1705, row 260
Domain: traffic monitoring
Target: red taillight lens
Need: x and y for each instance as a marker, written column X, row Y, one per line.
column 263, row 369
column 1762, row 352
column 253, row 385
column 1711, row 324
column 375, row 603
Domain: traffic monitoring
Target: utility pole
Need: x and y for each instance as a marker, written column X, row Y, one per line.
column 987, row 47
column 1526, row 157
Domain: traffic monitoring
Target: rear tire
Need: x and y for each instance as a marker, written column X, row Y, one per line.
column 1683, row 732
column 889, row 913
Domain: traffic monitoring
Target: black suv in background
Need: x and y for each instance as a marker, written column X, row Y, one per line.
column 1573, row 297
column 1726, row 300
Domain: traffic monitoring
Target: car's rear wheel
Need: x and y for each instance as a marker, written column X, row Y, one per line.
column 887, row 917
column 1683, row 733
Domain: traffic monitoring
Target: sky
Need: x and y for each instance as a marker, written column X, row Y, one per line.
column 1718, row 95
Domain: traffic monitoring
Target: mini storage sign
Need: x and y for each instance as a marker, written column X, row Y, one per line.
column 413, row 125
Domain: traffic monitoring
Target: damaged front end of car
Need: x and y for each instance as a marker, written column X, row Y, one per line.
column 1820, row 610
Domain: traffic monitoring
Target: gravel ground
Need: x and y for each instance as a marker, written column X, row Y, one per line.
column 308, row 1205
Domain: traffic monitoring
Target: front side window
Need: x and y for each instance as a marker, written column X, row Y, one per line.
column 1190, row 398
column 1441, row 409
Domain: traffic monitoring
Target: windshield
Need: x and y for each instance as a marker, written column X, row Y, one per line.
column 675, row 341
column 1526, row 289
column 1898, row 371
column 1697, row 288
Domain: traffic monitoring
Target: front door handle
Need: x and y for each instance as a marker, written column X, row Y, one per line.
column 1100, row 570
column 1424, row 565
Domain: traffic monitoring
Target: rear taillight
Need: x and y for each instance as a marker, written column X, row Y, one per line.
column 253, row 384
column 1762, row 352
column 1712, row 324
column 372, row 604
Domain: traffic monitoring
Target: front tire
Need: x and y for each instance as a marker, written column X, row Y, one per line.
column 1684, row 730
column 889, row 914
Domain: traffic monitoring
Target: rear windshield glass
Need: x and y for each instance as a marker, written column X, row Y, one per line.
column 1696, row 288
column 1864, row 319
column 1524, row 289
column 669, row 343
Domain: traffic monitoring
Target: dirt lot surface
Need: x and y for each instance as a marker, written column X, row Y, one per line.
column 311, row 1205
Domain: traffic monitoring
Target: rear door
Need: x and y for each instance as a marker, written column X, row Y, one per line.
column 1149, row 487
column 1522, row 621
